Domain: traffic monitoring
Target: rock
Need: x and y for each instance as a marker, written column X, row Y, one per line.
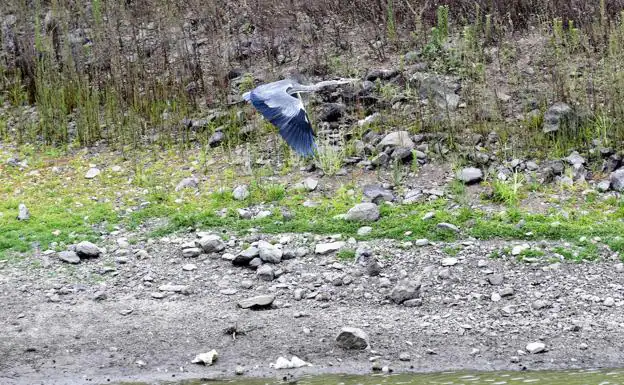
column 506, row 292
column 188, row 183
column 381, row 159
column 433, row 87
column 575, row 158
column 617, row 180
column 603, row 186
column 310, row 184
column 519, row 249
column 331, row 112
column 211, row 244
column 69, row 257
column 246, row 256
column 404, row 290
column 92, row 173
column 397, row 139
column 239, row 371
column 373, row 268
column 405, row 357
column 449, row 261
column 206, row 358
column 86, row 250
column 255, row 263
column 470, row 175
column 216, row 139
column 558, row 117
column 189, row 267
column 364, row 230
column 174, row 288
column 240, row 192
column 495, row 297
column 261, row 301
column 448, row 226
column 269, row 253
column 363, row 212
column 377, row 193
column 294, row 363
column 265, row 273
column 421, row 242
column 609, row 302
column 540, row 304
column 100, row 296
column 536, row 347
column 191, row 252
column 22, row 212
column 352, row 339
column 326, row 248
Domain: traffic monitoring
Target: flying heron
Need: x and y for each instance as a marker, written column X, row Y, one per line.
column 275, row 101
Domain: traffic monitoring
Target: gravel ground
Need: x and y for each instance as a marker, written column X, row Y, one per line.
column 145, row 317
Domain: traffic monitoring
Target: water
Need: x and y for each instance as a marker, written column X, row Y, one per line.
column 577, row 377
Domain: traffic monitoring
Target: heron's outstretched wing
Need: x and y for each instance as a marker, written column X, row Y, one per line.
column 286, row 113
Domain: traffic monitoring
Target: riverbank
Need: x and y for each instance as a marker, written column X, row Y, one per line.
column 131, row 318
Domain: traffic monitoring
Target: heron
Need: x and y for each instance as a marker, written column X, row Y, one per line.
column 275, row 101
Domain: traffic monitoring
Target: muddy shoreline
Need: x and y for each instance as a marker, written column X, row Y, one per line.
column 100, row 321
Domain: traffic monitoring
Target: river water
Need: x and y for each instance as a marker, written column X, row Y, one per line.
column 578, row 377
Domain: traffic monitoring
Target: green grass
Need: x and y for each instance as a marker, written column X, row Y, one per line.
column 66, row 208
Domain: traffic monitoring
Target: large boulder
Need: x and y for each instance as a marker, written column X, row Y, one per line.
column 352, row 339
column 617, row 180
column 405, row 290
column 470, row 175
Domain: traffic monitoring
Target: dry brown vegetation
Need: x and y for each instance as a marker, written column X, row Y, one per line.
column 121, row 70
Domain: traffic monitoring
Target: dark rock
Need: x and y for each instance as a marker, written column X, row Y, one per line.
column 559, row 117
column 377, row 193
column 216, row 139
column 352, row 339
column 87, row 249
column 331, row 112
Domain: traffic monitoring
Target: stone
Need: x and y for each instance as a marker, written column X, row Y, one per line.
column 364, row 230
column 294, row 363
column 188, row 183
column 575, row 158
column 440, row 90
column 216, row 139
column 519, row 249
column 261, row 301
column 506, row 292
column 363, row 212
column 269, row 253
column 603, row 186
column 174, row 288
column 206, row 358
column 560, row 116
column 310, row 184
column 470, row 175
column 326, row 248
column 211, row 244
column 397, row 139
column 609, row 302
column 540, row 304
column 189, row 267
column 92, row 173
column 87, row 250
column 22, row 212
column 100, row 296
column 69, row 257
column 377, row 193
column 421, row 242
column 191, row 252
column 255, row 263
column 265, row 273
column 448, row 226
column 495, row 297
column 617, row 180
column 449, row 261
column 404, row 290
column 240, row 192
column 535, row 347
column 246, row 256
column 352, row 339
column 331, row 112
